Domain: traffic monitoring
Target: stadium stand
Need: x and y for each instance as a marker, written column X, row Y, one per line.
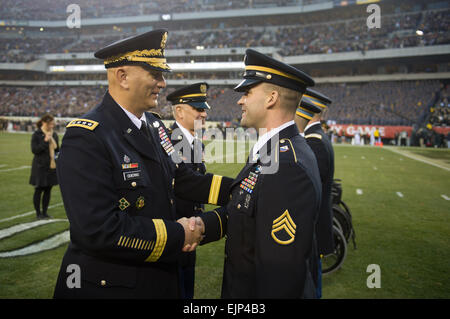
column 394, row 75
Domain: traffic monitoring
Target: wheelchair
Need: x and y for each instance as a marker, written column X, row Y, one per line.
column 343, row 231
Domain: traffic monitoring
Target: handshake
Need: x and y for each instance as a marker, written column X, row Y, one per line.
column 194, row 228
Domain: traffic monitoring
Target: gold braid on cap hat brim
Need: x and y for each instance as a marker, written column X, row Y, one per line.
column 141, row 56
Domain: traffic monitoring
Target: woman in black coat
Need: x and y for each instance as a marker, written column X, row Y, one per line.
column 44, row 145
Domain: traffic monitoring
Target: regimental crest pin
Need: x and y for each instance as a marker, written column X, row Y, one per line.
column 126, row 159
column 140, row 202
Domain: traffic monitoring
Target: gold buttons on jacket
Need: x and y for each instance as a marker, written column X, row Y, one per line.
column 133, row 184
column 171, row 201
column 238, row 206
column 103, row 283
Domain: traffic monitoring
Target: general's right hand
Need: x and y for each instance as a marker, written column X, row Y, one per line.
column 193, row 231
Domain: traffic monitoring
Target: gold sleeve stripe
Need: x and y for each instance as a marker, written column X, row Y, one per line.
column 220, row 223
column 161, row 240
column 314, row 135
column 215, row 189
column 136, row 243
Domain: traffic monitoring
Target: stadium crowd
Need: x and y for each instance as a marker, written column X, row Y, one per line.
column 54, row 10
column 379, row 103
column 440, row 112
column 319, row 33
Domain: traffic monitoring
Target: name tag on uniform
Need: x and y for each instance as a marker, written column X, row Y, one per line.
column 131, row 175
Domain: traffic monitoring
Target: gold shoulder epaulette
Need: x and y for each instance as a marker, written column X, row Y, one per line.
column 314, row 135
column 156, row 114
column 84, row 123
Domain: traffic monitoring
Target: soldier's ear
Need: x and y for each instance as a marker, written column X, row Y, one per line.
column 179, row 111
column 121, row 75
column 272, row 98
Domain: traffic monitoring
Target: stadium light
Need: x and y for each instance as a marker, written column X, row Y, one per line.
column 166, row 17
column 192, row 66
column 41, row 29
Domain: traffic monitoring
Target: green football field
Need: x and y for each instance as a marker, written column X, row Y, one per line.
column 399, row 199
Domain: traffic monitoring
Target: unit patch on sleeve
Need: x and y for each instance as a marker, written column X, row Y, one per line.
column 87, row 124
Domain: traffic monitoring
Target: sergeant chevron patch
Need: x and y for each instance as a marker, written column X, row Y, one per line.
column 283, row 229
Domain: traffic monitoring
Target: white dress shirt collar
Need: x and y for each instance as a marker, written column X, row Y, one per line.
column 263, row 139
column 186, row 133
column 133, row 117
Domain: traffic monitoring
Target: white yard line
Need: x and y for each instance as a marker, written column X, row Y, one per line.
column 49, row 243
column 27, row 213
column 399, row 194
column 445, row 197
column 359, row 191
column 14, row 169
column 21, row 227
column 416, row 158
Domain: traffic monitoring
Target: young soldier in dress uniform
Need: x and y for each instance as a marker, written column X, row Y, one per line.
column 308, row 118
column 189, row 106
column 119, row 183
column 270, row 247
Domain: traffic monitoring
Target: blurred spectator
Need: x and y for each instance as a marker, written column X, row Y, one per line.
column 372, row 103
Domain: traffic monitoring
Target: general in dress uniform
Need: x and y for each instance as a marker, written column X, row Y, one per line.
column 119, row 182
column 189, row 105
column 270, row 249
column 309, row 113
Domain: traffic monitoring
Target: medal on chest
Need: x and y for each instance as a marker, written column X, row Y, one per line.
column 165, row 141
column 249, row 183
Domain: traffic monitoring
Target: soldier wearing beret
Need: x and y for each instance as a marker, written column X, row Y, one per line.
column 308, row 118
column 119, row 180
column 270, row 249
column 189, row 105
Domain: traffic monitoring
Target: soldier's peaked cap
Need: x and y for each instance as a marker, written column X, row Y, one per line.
column 306, row 109
column 194, row 95
column 146, row 49
column 316, row 98
column 262, row 68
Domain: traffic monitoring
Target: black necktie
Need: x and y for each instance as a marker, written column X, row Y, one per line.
column 144, row 129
